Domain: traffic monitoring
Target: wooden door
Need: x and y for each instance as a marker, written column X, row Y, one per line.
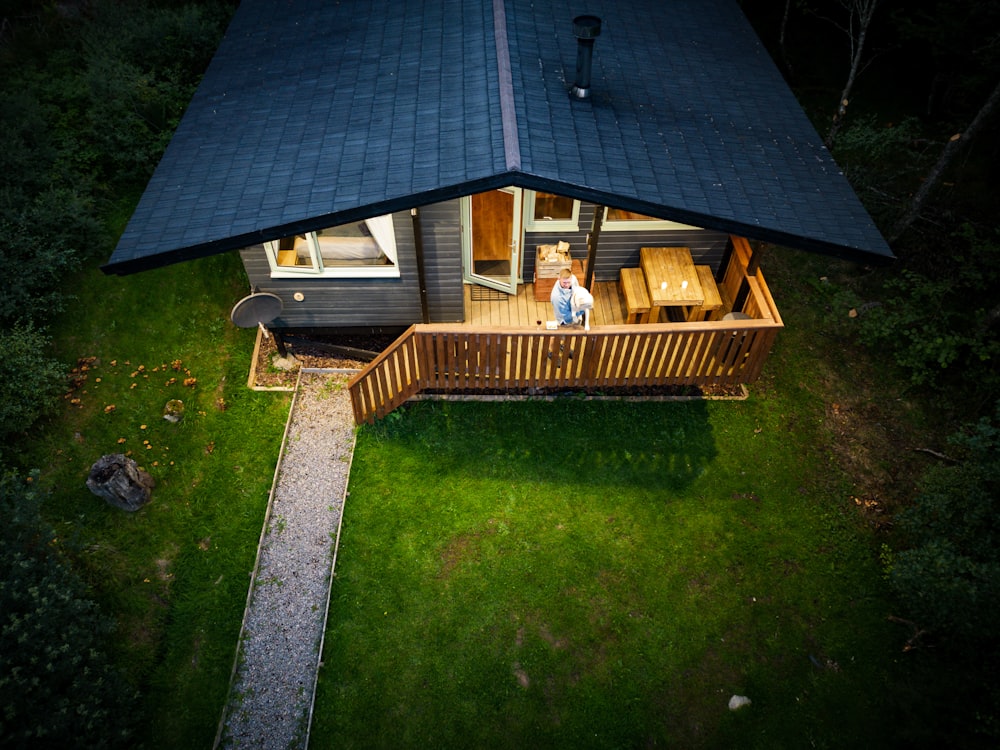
column 493, row 238
column 492, row 226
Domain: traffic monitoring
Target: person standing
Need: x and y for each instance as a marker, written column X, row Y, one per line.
column 571, row 305
column 562, row 298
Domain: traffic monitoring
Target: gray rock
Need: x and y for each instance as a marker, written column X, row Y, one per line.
column 119, row 480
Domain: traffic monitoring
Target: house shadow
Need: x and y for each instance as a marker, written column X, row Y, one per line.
column 568, row 442
column 665, row 446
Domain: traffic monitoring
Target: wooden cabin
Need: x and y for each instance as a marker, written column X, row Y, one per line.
column 383, row 166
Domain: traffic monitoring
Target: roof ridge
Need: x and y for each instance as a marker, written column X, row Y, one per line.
column 508, row 116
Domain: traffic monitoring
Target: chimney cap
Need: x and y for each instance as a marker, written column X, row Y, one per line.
column 586, row 27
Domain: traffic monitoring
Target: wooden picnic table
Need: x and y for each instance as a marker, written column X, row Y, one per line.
column 672, row 279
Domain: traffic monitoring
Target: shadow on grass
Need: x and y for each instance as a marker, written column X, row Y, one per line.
column 565, row 442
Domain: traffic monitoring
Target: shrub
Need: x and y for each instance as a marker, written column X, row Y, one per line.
column 30, row 382
column 949, row 576
column 37, row 252
column 881, row 161
column 942, row 327
column 57, row 688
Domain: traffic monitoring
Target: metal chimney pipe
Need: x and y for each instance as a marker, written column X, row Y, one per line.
column 586, row 29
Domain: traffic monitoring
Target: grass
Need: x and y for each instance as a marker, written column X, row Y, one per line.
column 580, row 574
column 174, row 573
column 524, row 574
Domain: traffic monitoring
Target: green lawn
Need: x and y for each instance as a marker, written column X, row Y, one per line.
column 560, row 573
column 175, row 573
column 586, row 574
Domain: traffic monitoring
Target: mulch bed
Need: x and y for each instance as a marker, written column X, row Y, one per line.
column 310, row 355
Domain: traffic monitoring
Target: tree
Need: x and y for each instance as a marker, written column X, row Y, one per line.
column 859, row 19
column 30, row 381
column 962, row 40
column 956, row 146
column 782, row 36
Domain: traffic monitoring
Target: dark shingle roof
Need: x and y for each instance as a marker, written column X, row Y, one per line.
column 315, row 113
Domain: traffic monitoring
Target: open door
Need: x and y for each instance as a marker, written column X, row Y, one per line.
column 492, row 239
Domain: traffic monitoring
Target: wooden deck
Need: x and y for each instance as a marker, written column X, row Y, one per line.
column 521, row 310
column 504, row 346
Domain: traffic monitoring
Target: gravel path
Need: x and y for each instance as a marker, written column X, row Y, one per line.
column 271, row 697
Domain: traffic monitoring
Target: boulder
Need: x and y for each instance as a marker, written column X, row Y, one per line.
column 119, row 480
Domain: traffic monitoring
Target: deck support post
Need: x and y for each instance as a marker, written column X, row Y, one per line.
column 279, row 343
column 418, row 246
column 592, row 238
column 753, row 264
column 756, row 253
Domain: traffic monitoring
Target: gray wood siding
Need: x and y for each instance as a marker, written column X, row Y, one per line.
column 345, row 303
column 440, row 225
column 394, row 303
column 616, row 250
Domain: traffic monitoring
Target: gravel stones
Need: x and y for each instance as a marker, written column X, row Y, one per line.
column 271, row 696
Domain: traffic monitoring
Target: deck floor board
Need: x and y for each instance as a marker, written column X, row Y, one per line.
column 522, row 310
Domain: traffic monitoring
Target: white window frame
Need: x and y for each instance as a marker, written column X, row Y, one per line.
column 609, row 225
column 532, row 224
column 381, row 228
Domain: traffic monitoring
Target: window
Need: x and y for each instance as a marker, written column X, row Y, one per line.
column 551, row 213
column 620, row 220
column 366, row 249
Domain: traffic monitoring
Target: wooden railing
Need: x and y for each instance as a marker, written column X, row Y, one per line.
column 450, row 358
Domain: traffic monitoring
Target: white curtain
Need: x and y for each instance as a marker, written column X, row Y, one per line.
column 384, row 234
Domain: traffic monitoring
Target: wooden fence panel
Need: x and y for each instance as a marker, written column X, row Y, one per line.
column 436, row 357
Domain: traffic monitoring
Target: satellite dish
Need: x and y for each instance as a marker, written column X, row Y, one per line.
column 256, row 310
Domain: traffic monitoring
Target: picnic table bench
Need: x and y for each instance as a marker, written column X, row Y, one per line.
column 635, row 294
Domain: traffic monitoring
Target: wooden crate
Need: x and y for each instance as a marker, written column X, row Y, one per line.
column 544, row 284
column 549, row 269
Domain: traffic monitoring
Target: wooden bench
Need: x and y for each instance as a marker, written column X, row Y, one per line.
column 711, row 308
column 636, row 295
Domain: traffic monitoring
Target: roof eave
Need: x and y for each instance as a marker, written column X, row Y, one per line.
column 880, row 255
column 128, row 266
column 524, row 180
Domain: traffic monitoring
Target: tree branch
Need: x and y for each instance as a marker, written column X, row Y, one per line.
column 913, row 641
column 952, row 150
